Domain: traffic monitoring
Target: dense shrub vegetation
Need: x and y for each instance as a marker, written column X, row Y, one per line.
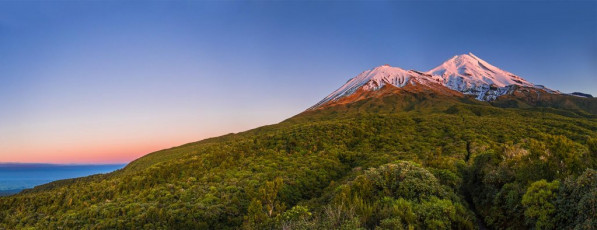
column 347, row 168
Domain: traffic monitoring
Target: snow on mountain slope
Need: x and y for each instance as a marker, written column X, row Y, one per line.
column 471, row 75
column 376, row 78
column 464, row 73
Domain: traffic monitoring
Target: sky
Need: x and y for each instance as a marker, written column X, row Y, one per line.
column 110, row 81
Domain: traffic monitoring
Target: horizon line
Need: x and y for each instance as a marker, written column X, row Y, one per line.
column 64, row 164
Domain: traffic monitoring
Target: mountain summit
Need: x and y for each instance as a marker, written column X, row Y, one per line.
column 471, row 75
column 466, row 74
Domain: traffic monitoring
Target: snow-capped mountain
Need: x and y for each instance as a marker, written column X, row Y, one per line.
column 471, row 75
column 466, row 73
column 376, row 78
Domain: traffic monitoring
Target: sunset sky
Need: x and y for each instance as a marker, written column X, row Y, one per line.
column 110, row 81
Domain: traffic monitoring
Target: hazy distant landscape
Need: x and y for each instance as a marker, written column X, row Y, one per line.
column 15, row 177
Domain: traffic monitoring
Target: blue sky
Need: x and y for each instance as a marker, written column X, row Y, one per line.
column 108, row 81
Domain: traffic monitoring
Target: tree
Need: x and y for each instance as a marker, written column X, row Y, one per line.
column 269, row 197
column 539, row 203
column 265, row 205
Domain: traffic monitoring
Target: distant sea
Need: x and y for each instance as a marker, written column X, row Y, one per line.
column 15, row 177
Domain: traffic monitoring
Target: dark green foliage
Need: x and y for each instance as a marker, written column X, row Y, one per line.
column 403, row 195
column 370, row 165
column 576, row 201
column 510, row 188
column 539, row 203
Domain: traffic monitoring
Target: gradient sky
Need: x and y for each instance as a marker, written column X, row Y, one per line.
column 109, row 81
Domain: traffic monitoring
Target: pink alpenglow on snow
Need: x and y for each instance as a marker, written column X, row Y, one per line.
column 465, row 73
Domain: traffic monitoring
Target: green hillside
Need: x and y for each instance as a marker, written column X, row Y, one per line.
column 409, row 161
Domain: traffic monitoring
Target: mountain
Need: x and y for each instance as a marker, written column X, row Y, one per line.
column 377, row 78
column 462, row 77
column 466, row 73
column 579, row 94
column 471, row 75
column 391, row 149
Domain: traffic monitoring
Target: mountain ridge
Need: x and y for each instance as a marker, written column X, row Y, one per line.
column 465, row 73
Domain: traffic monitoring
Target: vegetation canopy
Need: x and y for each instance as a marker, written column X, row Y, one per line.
column 393, row 162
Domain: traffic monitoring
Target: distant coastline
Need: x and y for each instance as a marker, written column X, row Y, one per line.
column 14, row 177
column 9, row 192
column 22, row 164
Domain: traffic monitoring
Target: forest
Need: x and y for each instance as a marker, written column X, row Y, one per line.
column 371, row 165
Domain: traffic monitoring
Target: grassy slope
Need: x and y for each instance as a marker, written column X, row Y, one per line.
column 210, row 183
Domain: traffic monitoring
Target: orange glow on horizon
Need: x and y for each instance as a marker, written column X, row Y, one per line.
column 112, row 139
column 99, row 153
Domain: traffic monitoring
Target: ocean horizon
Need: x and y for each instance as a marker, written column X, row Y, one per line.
column 15, row 177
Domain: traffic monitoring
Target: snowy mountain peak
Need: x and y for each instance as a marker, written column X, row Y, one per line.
column 465, row 73
column 467, row 70
column 372, row 79
column 470, row 74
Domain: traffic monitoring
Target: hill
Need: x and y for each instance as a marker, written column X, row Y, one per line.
column 354, row 165
column 395, row 152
